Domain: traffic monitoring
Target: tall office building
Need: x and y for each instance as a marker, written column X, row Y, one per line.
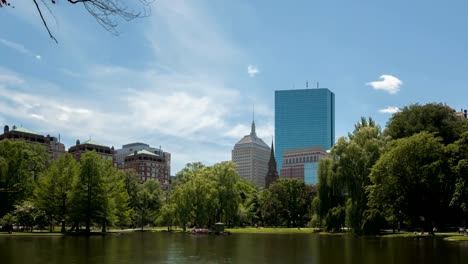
column 303, row 118
column 251, row 155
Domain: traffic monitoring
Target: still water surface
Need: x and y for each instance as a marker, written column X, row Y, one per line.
column 237, row 248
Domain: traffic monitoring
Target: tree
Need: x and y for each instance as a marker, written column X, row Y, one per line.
column 132, row 183
column 330, row 200
column 106, row 12
column 408, row 179
column 188, row 172
column 120, row 210
column 90, row 201
column 166, row 216
column 54, row 190
column 20, row 166
column 204, row 199
column 295, row 199
column 354, row 159
column 228, row 191
column 7, row 222
column 149, row 202
column 433, row 118
column 24, row 213
column 458, row 160
column 180, row 198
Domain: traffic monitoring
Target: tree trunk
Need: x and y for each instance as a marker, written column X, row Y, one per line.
column 103, row 230
column 63, row 227
column 88, row 228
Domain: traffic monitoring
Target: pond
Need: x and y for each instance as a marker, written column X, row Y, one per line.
column 148, row 247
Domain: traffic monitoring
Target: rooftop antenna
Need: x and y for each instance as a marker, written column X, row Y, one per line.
column 59, row 137
column 318, row 85
column 253, row 113
column 307, row 84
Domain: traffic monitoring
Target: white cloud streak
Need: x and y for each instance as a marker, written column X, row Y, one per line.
column 389, row 110
column 252, row 70
column 19, row 48
column 389, row 83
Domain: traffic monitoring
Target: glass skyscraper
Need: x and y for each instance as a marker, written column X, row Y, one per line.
column 304, row 118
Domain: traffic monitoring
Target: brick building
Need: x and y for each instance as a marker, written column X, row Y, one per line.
column 302, row 163
column 52, row 145
column 103, row 150
column 148, row 165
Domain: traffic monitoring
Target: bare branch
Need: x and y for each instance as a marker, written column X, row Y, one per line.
column 45, row 23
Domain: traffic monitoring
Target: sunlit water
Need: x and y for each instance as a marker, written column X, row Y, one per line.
column 237, row 248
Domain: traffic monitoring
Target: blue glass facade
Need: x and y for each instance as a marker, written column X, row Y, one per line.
column 303, row 118
column 310, row 173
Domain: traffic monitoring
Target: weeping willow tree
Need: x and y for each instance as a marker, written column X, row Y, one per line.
column 344, row 176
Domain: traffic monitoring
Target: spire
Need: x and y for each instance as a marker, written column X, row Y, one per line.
column 272, row 154
column 272, row 174
column 252, row 131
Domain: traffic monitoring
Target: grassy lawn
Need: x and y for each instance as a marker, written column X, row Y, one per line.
column 270, row 230
column 457, row 238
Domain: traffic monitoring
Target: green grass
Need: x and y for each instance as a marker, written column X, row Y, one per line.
column 457, row 238
column 270, row 230
column 31, row 234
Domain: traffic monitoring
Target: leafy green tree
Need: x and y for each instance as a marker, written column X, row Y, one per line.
column 54, row 190
column 344, row 176
column 330, row 195
column 89, row 199
column 182, row 201
column 132, row 183
column 20, row 165
column 354, row 159
column 188, row 172
column 7, row 222
column 408, row 179
column 149, row 202
column 295, row 199
column 204, row 196
column 166, row 216
column 122, row 212
column 458, row 160
column 228, row 192
column 248, row 207
column 433, row 118
column 269, row 208
column 25, row 213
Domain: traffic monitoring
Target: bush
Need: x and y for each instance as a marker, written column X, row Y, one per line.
column 373, row 221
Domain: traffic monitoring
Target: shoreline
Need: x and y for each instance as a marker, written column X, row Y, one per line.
column 447, row 236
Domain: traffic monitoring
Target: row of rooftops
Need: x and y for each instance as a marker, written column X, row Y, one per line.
column 22, row 132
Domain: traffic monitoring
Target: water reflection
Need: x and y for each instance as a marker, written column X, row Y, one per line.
column 238, row 248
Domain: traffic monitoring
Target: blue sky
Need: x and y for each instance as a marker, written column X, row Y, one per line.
column 187, row 76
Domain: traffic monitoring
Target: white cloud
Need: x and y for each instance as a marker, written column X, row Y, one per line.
column 18, row 47
column 183, row 98
column 252, row 70
column 40, row 117
column 9, row 78
column 389, row 110
column 389, row 83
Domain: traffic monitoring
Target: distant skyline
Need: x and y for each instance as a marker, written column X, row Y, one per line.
column 187, row 76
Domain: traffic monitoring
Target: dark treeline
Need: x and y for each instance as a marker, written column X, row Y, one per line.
column 412, row 175
column 91, row 193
